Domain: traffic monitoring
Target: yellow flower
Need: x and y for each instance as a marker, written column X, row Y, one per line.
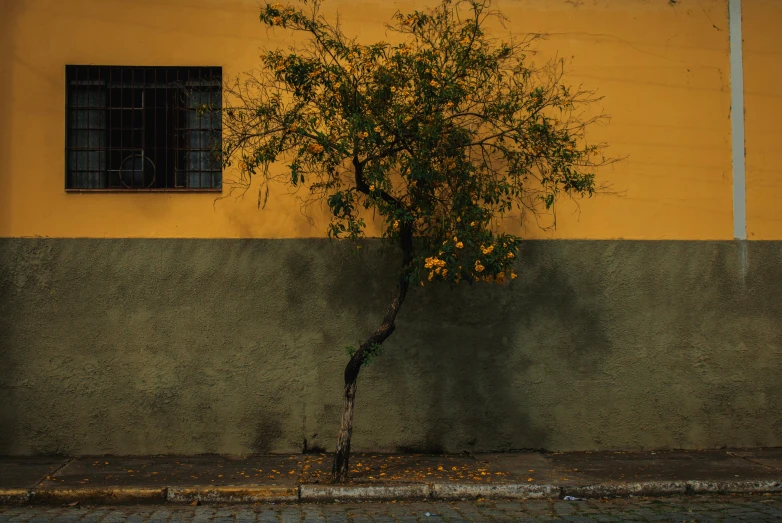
column 372, row 187
column 513, row 275
column 431, row 275
column 277, row 20
column 465, row 40
column 449, row 105
column 433, row 262
column 458, row 219
column 377, row 129
column 501, row 278
column 438, row 270
column 277, row 6
column 445, row 273
column 478, row 266
column 363, row 134
column 315, row 148
column 487, row 250
column 510, row 256
column 459, row 245
column 434, row 83
column 472, row 224
column 396, row 225
column 393, row 89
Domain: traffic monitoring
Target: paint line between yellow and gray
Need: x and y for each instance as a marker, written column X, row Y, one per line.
column 737, row 121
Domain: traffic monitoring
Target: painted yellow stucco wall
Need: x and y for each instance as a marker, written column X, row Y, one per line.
column 763, row 117
column 663, row 69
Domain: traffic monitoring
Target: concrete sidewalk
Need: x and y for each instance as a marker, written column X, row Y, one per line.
column 304, row 478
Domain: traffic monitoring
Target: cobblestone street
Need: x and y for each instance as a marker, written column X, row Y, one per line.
column 706, row 509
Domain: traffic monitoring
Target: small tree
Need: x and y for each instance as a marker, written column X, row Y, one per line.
column 439, row 135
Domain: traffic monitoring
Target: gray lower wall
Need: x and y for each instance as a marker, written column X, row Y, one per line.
column 127, row 346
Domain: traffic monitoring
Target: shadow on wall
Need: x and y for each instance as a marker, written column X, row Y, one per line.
column 8, row 370
column 458, row 368
column 25, row 272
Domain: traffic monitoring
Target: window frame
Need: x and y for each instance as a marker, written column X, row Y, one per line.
column 69, row 107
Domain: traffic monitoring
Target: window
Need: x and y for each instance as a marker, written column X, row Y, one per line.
column 143, row 128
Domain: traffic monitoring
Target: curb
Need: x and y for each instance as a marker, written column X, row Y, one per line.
column 232, row 494
column 14, row 496
column 411, row 492
column 769, row 486
column 673, row 488
column 370, row 493
column 102, row 496
column 455, row 491
column 621, row 490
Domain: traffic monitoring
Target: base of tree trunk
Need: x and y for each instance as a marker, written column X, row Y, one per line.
column 341, row 468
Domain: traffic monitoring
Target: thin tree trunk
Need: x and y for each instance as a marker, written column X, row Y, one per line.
column 340, row 472
column 341, row 468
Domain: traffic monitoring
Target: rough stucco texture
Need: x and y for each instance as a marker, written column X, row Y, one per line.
column 236, row 346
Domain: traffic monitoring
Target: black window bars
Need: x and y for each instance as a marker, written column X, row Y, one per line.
column 143, row 128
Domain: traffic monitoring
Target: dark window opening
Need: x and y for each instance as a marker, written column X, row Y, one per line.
column 143, row 128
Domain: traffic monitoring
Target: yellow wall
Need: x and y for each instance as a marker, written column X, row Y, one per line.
column 663, row 69
column 763, row 109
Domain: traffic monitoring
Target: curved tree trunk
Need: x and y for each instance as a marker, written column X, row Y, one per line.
column 340, row 470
